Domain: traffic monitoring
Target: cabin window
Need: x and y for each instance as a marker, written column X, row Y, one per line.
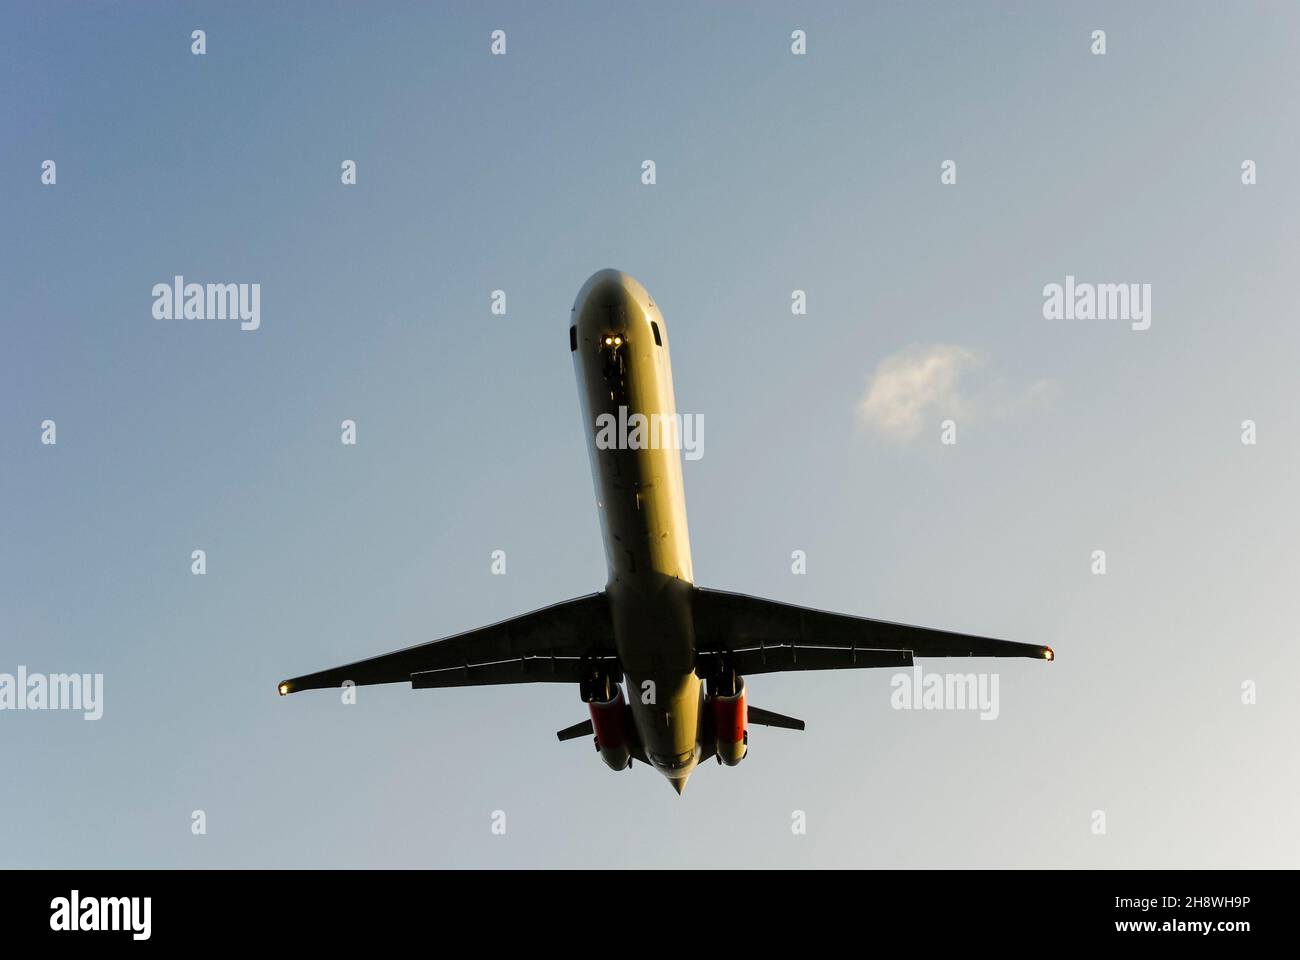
column 573, row 339
column 654, row 328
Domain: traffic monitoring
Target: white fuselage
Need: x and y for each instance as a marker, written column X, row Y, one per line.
column 620, row 356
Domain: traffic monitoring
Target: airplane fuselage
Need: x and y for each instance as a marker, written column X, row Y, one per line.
column 620, row 355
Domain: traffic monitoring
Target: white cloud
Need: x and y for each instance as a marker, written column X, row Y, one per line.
column 920, row 386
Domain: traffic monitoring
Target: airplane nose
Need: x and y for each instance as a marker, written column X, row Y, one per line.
column 604, row 285
column 608, row 296
column 679, row 784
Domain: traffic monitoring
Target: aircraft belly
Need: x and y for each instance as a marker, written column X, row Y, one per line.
column 641, row 503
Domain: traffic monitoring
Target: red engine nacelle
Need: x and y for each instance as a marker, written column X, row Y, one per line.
column 609, row 721
column 730, row 718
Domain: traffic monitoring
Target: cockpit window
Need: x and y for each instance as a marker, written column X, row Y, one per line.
column 654, row 327
column 573, row 338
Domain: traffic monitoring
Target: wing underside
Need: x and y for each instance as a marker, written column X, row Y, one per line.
column 559, row 644
column 764, row 636
column 573, row 641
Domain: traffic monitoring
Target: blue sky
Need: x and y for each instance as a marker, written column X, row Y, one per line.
column 522, row 173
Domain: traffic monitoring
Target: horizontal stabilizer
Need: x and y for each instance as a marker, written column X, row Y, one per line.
column 583, row 729
column 766, row 718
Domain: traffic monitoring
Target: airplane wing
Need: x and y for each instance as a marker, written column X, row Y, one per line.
column 764, row 636
column 559, row 643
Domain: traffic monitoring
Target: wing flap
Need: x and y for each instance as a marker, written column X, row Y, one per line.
column 782, row 657
column 526, row 670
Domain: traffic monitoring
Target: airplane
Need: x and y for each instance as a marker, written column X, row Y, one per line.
column 683, row 651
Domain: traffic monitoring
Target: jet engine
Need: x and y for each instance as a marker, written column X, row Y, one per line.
column 730, row 718
column 609, row 721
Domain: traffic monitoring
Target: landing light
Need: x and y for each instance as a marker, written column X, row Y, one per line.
column 609, row 341
column 284, row 688
column 618, row 341
column 1048, row 654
